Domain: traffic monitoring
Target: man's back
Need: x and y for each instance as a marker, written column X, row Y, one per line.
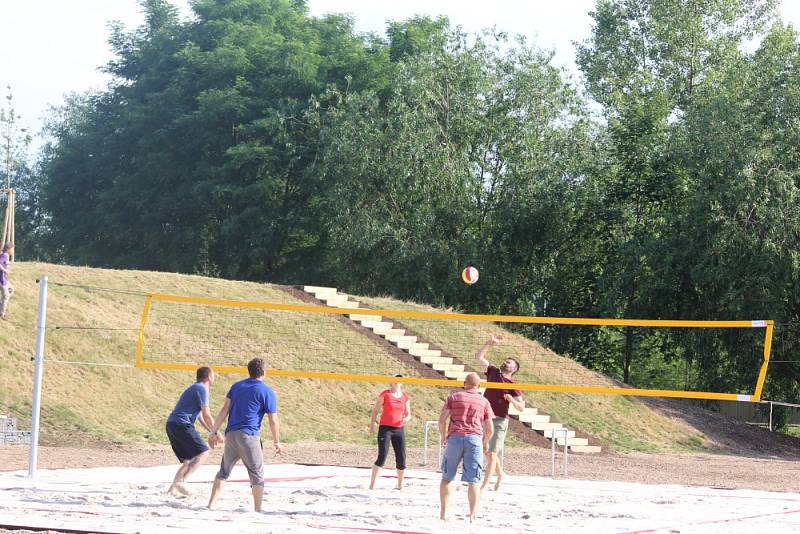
column 250, row 400
column 189, row 404
column 468, row 411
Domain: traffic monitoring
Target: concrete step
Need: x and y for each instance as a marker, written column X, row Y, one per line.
column 573, row 442
column 533, row 418
column 424, row 352
column 319, row 289
column 395, row 339
column 545, row 427
column 381, row 329
column 448, row 366
column 528, row 410
column 333, row 300
column 560, row 435
column 412, row 346
column 430, row 360
column 587, row 449
column 456, row 375
column 390, row 332
column 377, row 325
column 364, row 318
column 343, row 303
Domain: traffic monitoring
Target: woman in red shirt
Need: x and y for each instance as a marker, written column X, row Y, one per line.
column 395, row 407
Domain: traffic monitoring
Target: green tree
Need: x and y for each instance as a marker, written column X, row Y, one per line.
column 197, row 158
column 469, row 159
column 645, row 63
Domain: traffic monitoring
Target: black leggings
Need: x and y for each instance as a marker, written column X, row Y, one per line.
column 398, row 439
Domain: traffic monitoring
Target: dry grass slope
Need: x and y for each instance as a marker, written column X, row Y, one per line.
column 86, row 403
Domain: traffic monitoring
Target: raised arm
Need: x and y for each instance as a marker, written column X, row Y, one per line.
column 480, row 356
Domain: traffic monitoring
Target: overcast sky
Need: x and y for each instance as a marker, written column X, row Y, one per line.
column 49, row 48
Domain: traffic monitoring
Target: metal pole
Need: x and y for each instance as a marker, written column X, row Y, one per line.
column 553, row 444
column 770, row 416
column 37, row 378
column 425, row 444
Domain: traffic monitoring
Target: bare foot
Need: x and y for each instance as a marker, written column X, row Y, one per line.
column 497, row 484
column 180, row 488
column 174, row 492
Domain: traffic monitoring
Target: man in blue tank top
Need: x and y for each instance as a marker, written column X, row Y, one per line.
column 186, row 442
column 245, row 405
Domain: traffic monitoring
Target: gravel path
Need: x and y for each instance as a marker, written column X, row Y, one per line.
column 760, row 472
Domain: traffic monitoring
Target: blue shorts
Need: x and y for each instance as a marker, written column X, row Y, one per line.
column 466, row 448
column 185, row 440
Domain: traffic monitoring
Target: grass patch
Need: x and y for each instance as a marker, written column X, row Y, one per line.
column 128, row 406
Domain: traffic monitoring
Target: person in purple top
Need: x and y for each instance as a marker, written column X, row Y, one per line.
column 186, row 442
column 5, row 288
column 245, row 405
column 500, row 399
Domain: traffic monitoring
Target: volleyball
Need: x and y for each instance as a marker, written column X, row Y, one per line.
column 469, row 275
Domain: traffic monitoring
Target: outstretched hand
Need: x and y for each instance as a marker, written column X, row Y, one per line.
column 496, row 339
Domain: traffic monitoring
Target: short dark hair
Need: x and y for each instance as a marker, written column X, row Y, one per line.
column 203, row 373
column 255, row 367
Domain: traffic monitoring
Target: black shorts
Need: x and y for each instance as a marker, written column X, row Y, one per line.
column 185, row 440
column 397, row 437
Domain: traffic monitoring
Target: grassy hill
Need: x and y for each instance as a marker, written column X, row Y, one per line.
column 99, row 397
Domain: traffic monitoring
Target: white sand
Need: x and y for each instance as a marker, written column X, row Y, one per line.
column 335, row 499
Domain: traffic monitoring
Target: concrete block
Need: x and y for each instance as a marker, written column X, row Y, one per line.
column 448, row 367
column 425, row 352
column 319, row 289
column 586, row 449
column 533, row 418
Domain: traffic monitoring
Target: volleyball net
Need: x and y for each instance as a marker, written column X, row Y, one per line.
column 684, row 359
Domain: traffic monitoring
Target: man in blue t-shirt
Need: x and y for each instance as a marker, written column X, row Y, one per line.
column 245, row 405
column 186, row 442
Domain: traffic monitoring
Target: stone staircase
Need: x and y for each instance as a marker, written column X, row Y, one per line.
column 433, row 358
column 10, row 434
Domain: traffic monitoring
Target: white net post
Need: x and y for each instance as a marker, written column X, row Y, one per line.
column 37, row 378
column 428, row 424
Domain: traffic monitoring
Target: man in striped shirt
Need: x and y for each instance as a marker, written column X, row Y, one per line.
column 466, row 439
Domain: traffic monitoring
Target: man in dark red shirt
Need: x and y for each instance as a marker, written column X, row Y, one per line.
column 500, row 399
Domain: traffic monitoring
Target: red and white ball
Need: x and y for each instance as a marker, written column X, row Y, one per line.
column 470, row 275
